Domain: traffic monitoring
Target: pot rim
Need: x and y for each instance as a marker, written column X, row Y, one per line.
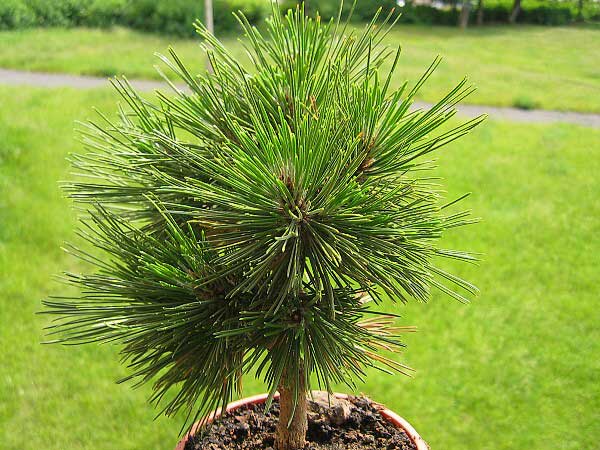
column 391, row 416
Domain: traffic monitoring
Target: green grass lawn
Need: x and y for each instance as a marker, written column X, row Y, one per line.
column 526, row 66
column 516, row 369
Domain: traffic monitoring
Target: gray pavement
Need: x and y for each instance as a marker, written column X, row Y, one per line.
column 56, row 80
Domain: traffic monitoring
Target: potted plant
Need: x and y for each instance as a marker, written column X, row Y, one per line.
column 252, row 222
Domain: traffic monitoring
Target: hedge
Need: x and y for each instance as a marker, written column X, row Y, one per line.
column 176, row 16
column 327, row 9
column 541, row 15
column 542, row 12
column 165, row 16
column 15, row 14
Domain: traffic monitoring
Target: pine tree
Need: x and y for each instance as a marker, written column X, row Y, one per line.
column 253, row 221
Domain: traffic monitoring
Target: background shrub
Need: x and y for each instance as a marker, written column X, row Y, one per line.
column 176, row 16
column 140, row 14
column 62, row 13
column 164, row 16
column 499, row 13
column 105, row 13
column 15, row 14
column 255, row 10
column 327, row 9
column 425, row 15
column 544, row 15
column 365, row 9
column 47, row 13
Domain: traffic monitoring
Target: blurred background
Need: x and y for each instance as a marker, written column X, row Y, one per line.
column 518, row 368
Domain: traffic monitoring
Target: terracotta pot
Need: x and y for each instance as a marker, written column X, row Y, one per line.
column 257, row 399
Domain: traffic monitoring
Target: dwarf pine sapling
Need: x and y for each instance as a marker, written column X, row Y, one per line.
column 253, row 220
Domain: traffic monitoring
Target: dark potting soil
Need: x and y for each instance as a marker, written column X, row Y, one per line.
column 359, row 427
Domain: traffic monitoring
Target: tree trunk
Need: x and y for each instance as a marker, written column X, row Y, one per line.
column 208, row 16
column 463, row 19
column 292, row 437
column 209, row 22
column 480, row 13
column 580, row 11
column 515, row 11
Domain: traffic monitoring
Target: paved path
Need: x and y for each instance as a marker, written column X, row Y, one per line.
column 52, row 80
